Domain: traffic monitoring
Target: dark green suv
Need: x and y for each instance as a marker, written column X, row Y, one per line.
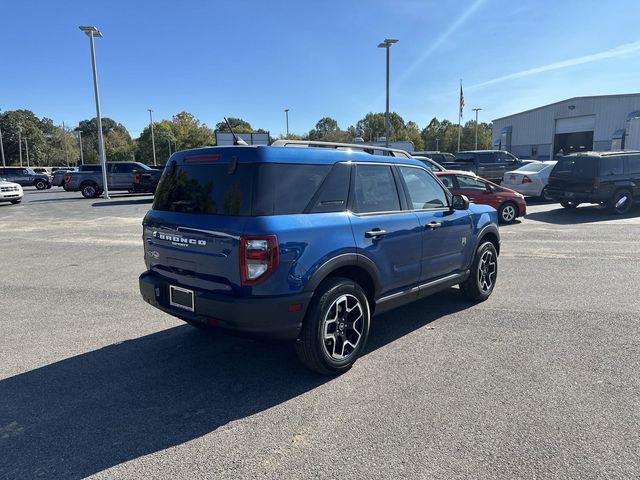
column 611, row 179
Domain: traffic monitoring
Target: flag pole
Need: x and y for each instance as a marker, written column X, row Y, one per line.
column 459, row 113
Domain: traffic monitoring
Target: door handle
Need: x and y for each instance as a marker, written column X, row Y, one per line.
column 376, row 232
column 433, row 225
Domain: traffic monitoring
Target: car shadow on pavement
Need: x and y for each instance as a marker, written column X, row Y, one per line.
column 584, row 214
column 84, row 414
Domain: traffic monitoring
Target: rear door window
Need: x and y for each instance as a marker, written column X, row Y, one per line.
column 633, row 163
column 465, row 157
column 611, row 166
column 470, row 183
column 375, row 190
column 484, row 158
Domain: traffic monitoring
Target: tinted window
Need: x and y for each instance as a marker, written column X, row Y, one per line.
column 533, row 167
column 424, row 191
column 578, row 166
column 90, row 168
column 470, row 183
column 123, row 168
column 287, row 188
column 465, row 157
column 611, row 166
column 206, row 189
column 505, row 157
column 633, row 163
column 334, row 190
column 486, row 158
column 375, row 190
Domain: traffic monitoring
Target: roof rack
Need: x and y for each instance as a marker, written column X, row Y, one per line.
column 392, row 152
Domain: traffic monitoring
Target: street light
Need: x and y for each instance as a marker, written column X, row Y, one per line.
column 26, row 148
column 286, row 112
column 92, row 32
column 64, row 139
column 20, row 143
column 2, row 149
column 153, row 138
column 476, row 110
column 80, row 143
column 387, row 45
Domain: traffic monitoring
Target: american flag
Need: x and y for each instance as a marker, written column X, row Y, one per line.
column 461, row 100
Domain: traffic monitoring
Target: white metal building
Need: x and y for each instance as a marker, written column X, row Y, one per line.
column 607, row 122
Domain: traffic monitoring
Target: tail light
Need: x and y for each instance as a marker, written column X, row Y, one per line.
column 596, row 183
column 66, row 178
column 137, row 176
column 258, row 258
column 526, row 179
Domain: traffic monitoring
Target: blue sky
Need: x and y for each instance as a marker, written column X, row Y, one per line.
column 252, row 59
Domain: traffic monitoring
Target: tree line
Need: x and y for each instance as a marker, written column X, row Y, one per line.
column 51, row 144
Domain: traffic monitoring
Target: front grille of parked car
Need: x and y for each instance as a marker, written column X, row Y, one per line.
column 8, row 189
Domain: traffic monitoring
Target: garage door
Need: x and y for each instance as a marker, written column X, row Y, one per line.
column 584, row 123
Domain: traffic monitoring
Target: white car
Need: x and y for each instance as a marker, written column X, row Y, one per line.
column 10, row 192
column 530, row 180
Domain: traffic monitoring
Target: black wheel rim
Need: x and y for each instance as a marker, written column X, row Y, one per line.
column 89, row 191
column 342, row 327
column 487, row 269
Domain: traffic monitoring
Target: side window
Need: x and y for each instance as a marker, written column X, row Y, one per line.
column 470, row 183
column 334, row 190
column 123, row 168
column 447, row 181
column 423, row 189
column 375, row 190
column 633, row 163
column 484, row 158
column 611, row 166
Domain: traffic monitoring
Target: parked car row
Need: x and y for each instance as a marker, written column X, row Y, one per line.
column 127, row 176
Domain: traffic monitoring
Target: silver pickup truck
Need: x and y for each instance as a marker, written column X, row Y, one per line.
column 120, row 176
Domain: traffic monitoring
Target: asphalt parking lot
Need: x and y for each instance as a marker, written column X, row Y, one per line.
column 540, row 381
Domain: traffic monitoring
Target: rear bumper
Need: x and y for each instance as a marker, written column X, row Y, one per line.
column 262, row 316
column 580, row 197
column 526, row 189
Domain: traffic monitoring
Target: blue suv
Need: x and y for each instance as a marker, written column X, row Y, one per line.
column 306, row 244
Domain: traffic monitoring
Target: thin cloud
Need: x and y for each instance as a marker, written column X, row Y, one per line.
column 625, row 49
column 441, row 39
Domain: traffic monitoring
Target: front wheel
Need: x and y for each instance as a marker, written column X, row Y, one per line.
column 336, row 327
column 569, row 204
column 40, row 184
column 484, row 273
column 621, row 202
column 507, row 212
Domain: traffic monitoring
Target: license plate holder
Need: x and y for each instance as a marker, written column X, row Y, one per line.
column 181, row 298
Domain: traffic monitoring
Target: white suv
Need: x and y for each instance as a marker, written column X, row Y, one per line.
column 10, row 192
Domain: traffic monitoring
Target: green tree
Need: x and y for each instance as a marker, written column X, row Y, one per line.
column 189, row 132
column 238, row 125
column 164, row 137
column 373, row 126
column 327, row 130
column 118, row 145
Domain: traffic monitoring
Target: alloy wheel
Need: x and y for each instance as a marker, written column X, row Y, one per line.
column 342, row 327
column 487, row 271
column 508, row 213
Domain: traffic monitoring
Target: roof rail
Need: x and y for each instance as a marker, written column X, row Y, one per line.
column 392, row 152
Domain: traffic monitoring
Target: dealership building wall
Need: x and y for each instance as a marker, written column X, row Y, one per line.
column 606, row 122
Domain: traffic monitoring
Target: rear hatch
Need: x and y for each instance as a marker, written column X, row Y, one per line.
column 575, row 174
column 192, row 234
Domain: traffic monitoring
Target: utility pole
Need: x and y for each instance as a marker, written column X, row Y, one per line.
column 80, row 142
column 64, row 139
column 387, row 45
column 153, row 138
column 286, row 112
column 437, row 143
column 477, row 110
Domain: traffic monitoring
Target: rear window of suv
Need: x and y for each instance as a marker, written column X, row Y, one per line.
column 578, row 166
column 251, row 189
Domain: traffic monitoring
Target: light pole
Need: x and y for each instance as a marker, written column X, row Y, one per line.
column 286, row 112
column 2, row 149
column 437, row 146
column 80, row 143
column 477, row 110
column 387, row 45
column 91, row 33
column 20, row 143
column 64, row 139
column 153, row 138
column 26, row 148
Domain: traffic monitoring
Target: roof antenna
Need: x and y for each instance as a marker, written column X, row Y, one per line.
column 236, row 139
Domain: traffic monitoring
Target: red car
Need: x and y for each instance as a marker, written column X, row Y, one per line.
column 509, row 204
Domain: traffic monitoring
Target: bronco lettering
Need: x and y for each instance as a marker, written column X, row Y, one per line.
column 176, row 239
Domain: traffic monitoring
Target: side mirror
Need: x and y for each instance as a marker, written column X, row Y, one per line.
column 460, row 202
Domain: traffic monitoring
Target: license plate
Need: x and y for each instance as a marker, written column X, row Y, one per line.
column 181, row 298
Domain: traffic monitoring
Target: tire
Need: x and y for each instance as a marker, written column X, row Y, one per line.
column 40, row 184
column 569, row 204
column 484, row 273
column 89, row 190
column 16, row 201
column 544, row 195
column 335, row 329
column 507, row 212
column 49, row 186
column 621, row 202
